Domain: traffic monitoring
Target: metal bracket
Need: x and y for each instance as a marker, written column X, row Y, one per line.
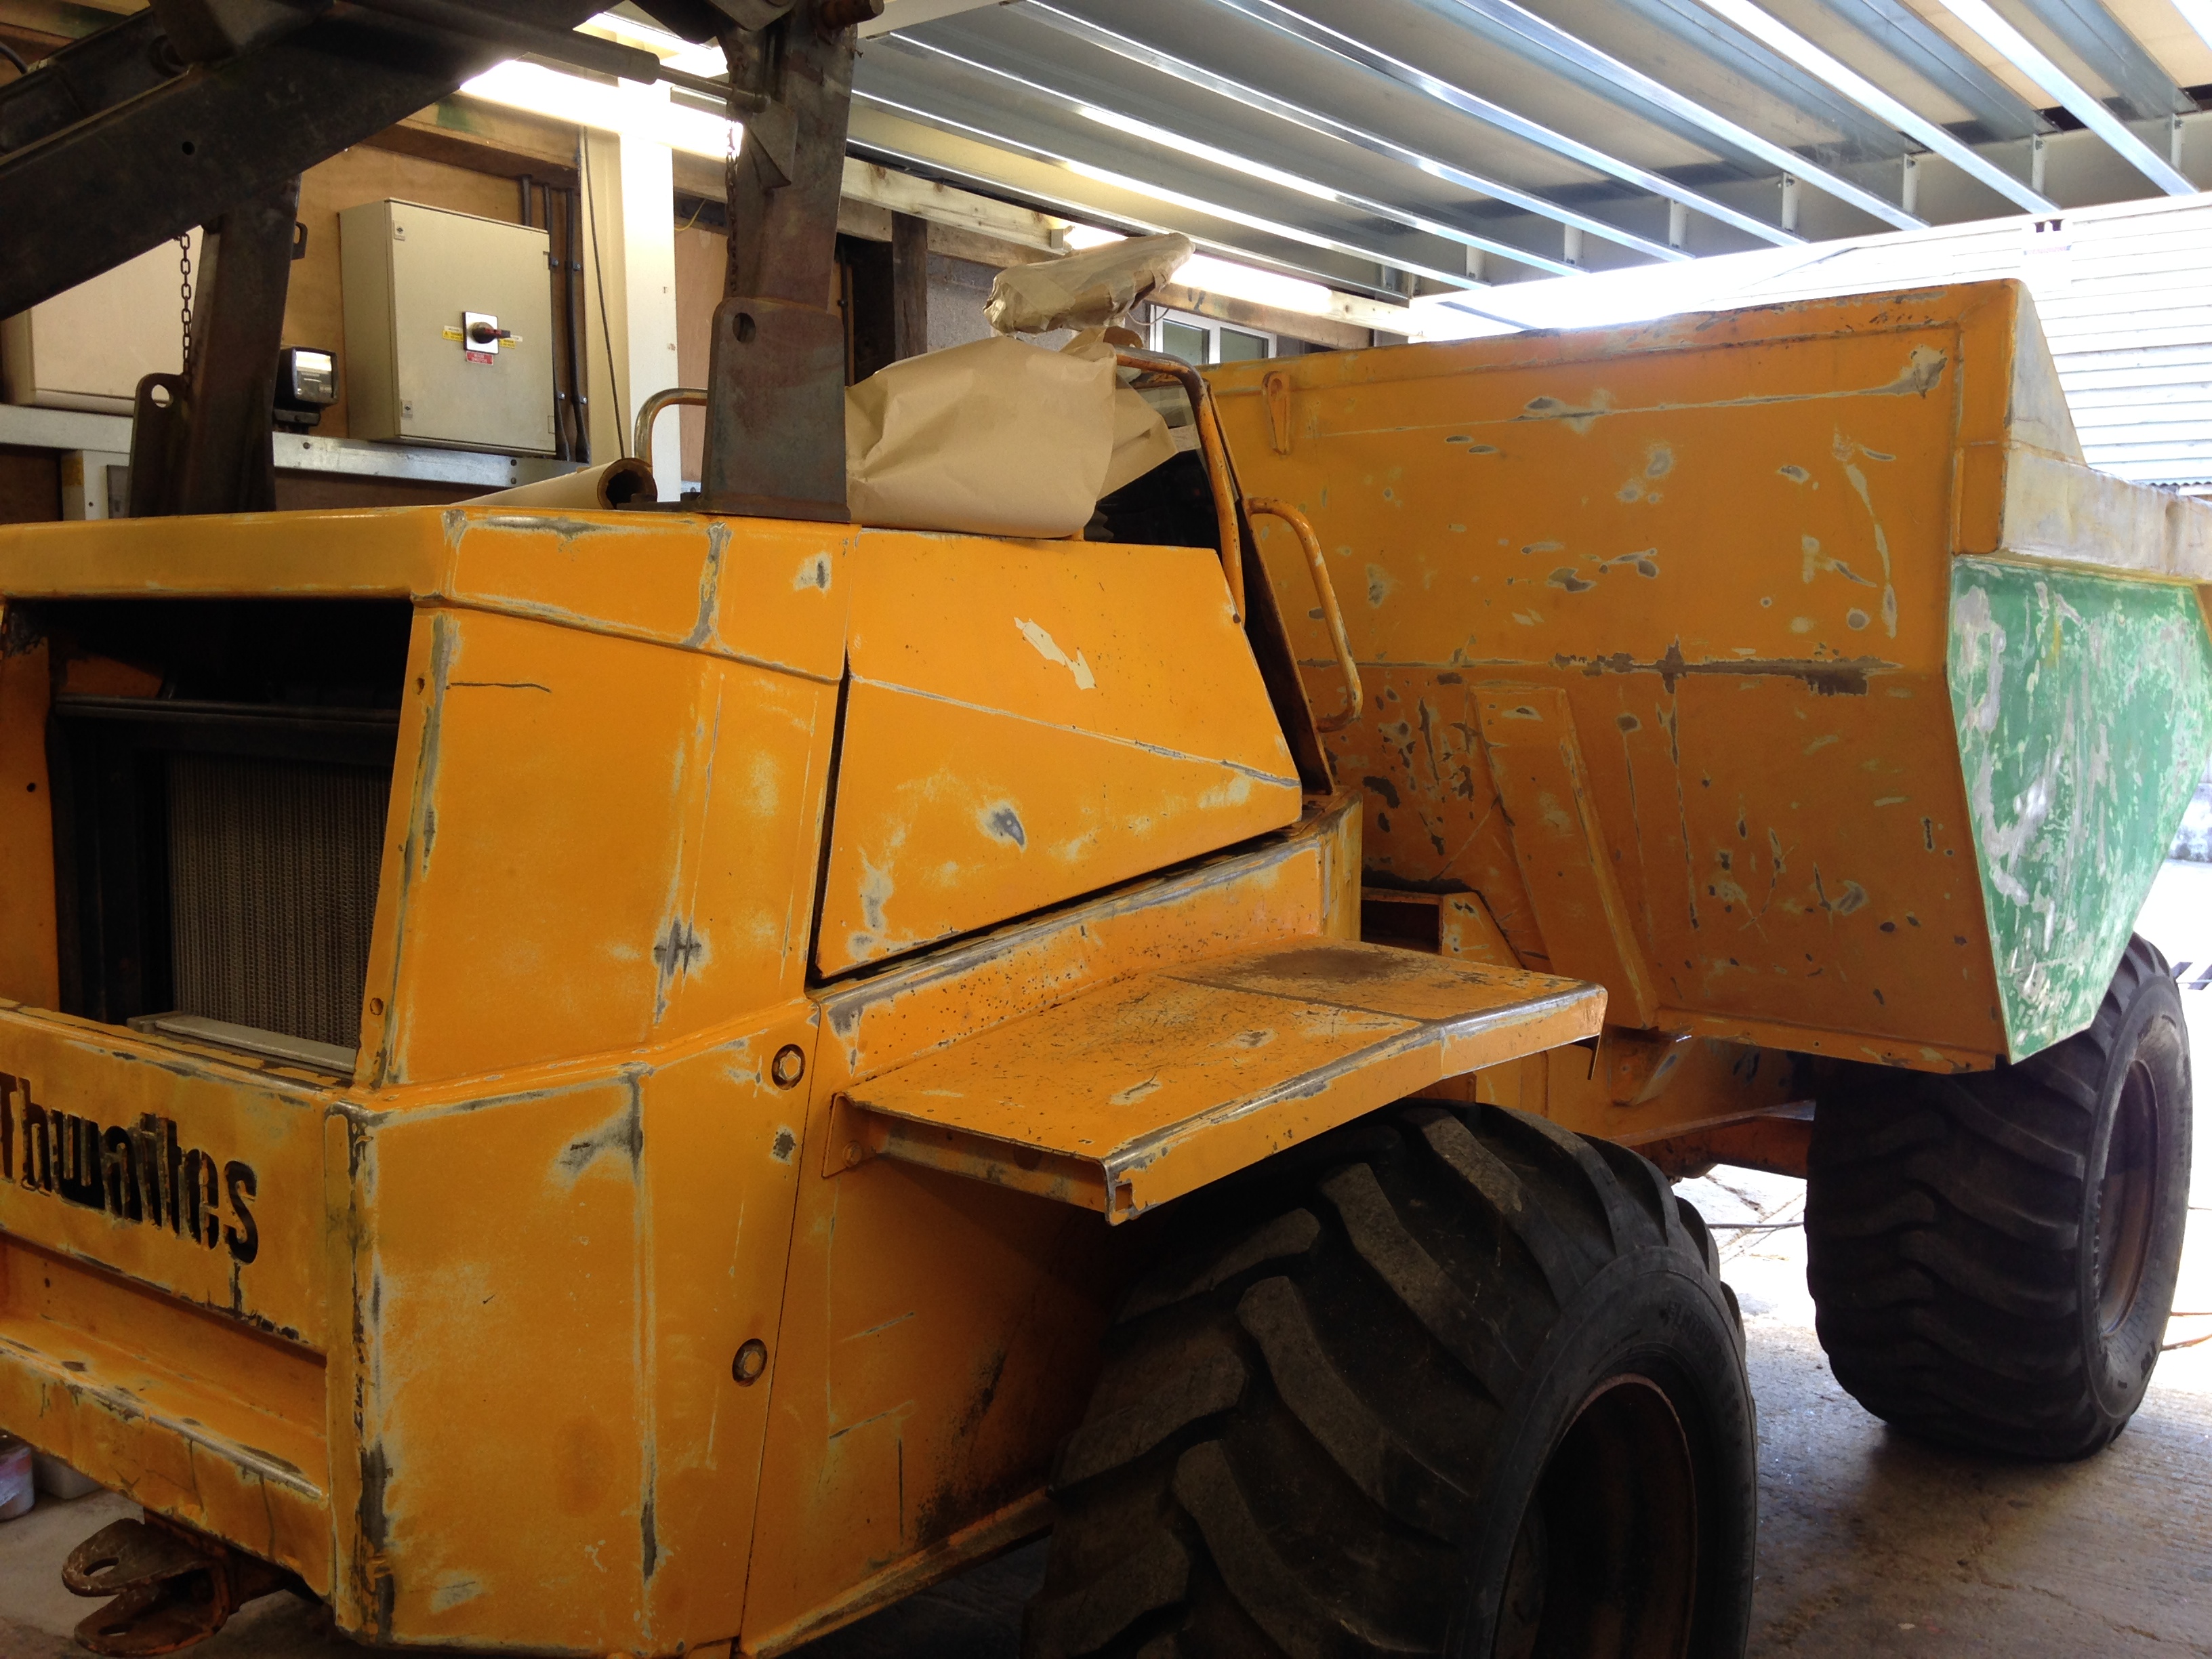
column 173, row 1587
column 208, row 31
column 1276, row 389
column 772, row 134
column 1638, row 1064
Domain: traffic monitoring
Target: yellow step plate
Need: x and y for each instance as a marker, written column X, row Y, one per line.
column 1153, row 1086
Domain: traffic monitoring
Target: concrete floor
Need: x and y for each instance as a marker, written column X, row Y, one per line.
column 1870, row 1543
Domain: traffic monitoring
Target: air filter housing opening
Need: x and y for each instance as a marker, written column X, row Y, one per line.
column 221, row 773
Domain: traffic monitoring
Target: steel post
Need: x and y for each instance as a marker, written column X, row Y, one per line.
column 775, row 418
column 205, row 448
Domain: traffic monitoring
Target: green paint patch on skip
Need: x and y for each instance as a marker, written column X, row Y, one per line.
column 2084, row 710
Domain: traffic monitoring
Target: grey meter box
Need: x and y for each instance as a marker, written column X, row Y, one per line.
column 448, row 329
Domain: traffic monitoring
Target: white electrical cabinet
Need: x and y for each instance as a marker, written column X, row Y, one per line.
column 448, row 329
column 87, row 348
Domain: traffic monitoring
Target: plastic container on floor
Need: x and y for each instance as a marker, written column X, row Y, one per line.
column 17, row 1492
column 58, row 1480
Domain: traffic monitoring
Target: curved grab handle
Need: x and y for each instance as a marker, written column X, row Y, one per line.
column 1262, row 507
column 649, row 412
column 1216, row 455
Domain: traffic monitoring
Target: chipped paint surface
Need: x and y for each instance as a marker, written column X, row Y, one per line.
column 651, row 837
column 211, row 1408
column 1566, row 867
column 1724, row 545
column 564, row 1187
column 905, row 1278
column 1155, row 1085
column 638, row 1210
column 1025, row 725
column 2084, row 710
column 1049, row 648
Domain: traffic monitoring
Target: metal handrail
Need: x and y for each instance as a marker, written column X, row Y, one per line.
column 1265, row 507
column 650, row 411
column 1214, row 452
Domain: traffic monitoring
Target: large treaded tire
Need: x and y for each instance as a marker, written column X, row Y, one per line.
column 1992, row 1259
column 1450, row 1381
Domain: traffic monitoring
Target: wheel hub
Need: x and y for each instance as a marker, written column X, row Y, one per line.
column 1606, row 1561
column 2125, row 1198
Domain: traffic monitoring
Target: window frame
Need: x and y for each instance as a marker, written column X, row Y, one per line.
column 1210, row 327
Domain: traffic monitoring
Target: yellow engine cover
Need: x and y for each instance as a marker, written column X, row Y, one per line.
column 1028, row 721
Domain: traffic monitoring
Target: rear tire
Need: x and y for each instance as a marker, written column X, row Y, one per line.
column 1993, row 1256
column 1448, row 1382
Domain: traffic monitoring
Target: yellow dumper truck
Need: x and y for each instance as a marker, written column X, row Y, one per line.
column 648, row 1083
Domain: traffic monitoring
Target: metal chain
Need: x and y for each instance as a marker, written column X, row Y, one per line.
column 184, row 294
column 730, row 189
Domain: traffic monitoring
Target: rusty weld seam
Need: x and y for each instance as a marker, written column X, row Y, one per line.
column 565, row 529
column 528, row 611
column 1125, row 1157
column 844, row 1009
column 583, row 1073
column 710, row 586
column 1139, row 743
column 179, row 1063
column 1826, row 675
column 1660, row 338
column 1673, row 666
column 1904, row 386
column 1311, row 1001
column 422, row 830
column 124, row 1406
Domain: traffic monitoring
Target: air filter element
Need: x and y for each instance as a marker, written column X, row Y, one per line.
column 272, row 891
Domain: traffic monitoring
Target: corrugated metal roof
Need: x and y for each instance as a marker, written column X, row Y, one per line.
column 1406, row 148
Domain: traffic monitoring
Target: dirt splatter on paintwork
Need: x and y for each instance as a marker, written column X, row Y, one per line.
column 1922, row 373
column 1821, row 440
column 621, row 1136
column 1847, row 451
column 679, row 950
column 1002, row 823
column 1814, row 562
column 2084, row 711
